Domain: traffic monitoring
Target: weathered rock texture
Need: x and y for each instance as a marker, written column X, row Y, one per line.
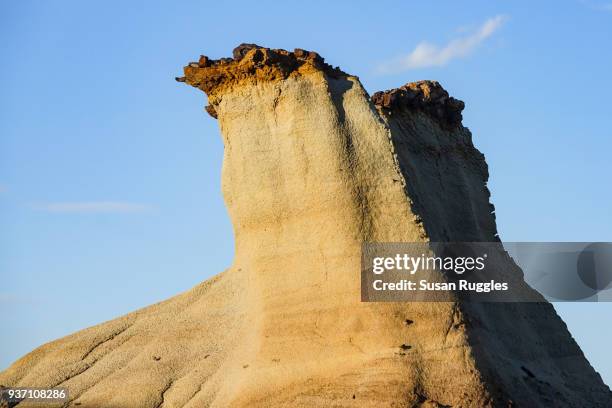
column 312, row 168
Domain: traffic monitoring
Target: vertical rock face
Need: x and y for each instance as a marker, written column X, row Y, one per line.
column 312, row 168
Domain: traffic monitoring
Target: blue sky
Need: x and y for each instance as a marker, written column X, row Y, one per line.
column 110, row 170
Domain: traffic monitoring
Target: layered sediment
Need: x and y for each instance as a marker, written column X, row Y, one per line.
column 312, row 168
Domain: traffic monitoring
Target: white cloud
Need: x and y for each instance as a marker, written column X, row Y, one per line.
column 94, row 207
column 426, row 54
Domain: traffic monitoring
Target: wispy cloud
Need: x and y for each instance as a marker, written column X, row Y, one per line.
column 427, row 54
column 14, row 299
column 598, row 5
column 603, row 7
column 94, row 207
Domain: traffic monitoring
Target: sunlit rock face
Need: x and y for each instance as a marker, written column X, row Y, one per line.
column 312, row 168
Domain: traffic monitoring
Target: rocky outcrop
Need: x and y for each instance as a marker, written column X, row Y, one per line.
column 427, row 96
column 312, row 168
column 251, row 64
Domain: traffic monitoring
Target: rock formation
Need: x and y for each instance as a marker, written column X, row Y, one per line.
column 312, row 168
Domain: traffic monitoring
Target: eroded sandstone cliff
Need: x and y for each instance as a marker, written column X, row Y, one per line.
column 312, row 168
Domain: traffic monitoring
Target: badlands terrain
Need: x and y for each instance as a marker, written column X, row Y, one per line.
column 313, row 167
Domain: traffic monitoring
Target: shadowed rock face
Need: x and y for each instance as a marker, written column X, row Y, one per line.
column 312, row 168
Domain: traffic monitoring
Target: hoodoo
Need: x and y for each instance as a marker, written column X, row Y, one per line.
column 312, row 168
